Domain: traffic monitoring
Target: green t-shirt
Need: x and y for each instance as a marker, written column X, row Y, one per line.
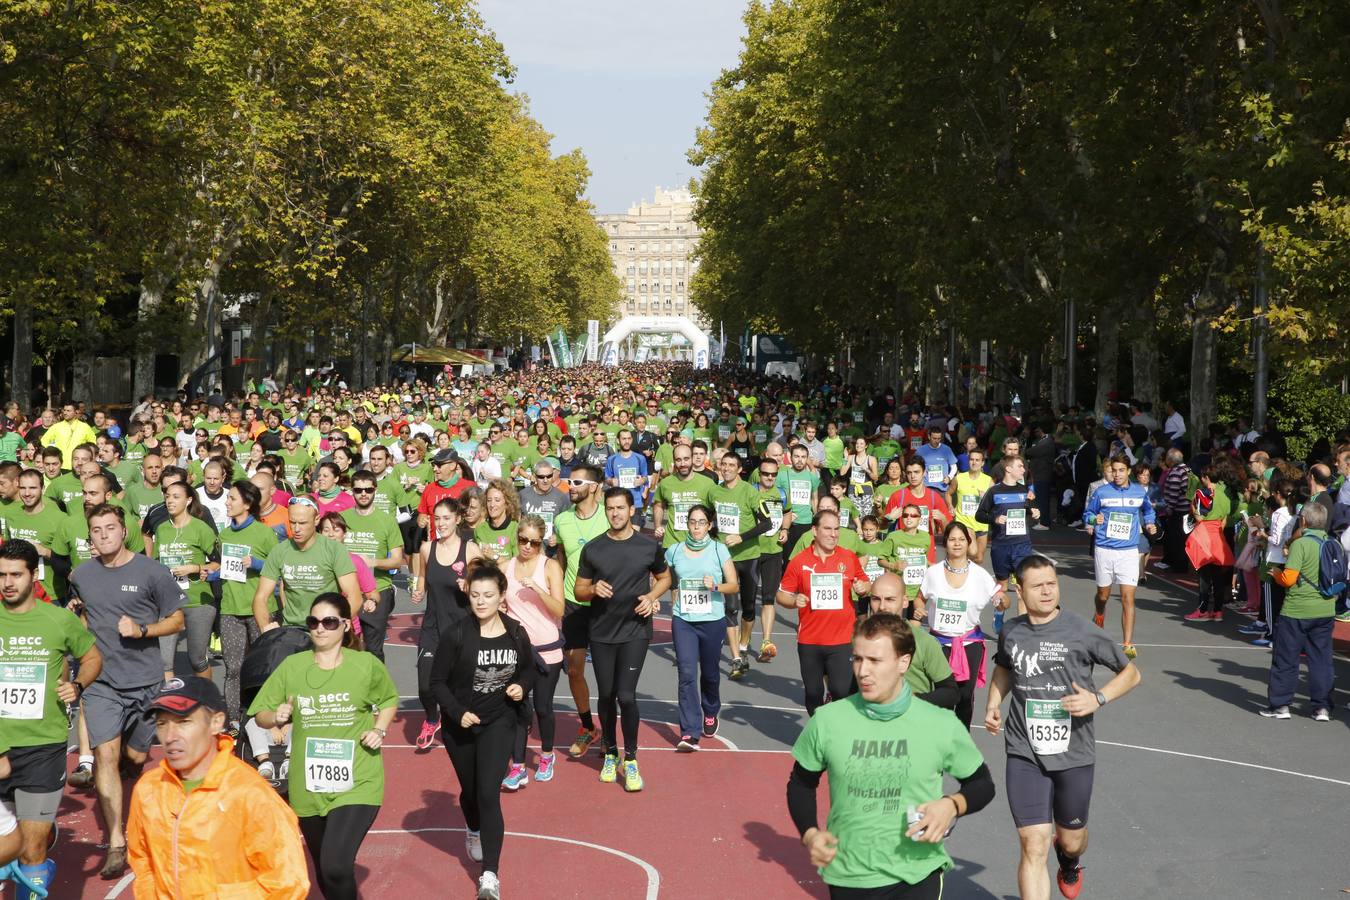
column 480, row 428
column 929, row 665
column 664, row 459
column 834, row 453
column 848, row 514
column 501, row 541
column 44, row 527
column 372, row 536
column 305, row 574
column 849, row 540
column 236, row 591
column 772, row 505
column 504, row 452
column 676, row 496
column 66, row 490
column 573, row 532
column 881, row 495
column 1303, row 600
column 295, row 463
column 877, row 770
column 35, row 645
column 873, row 551
column 799, row 487
column 331, row 709
column 734, row 513
column 413, row 478
column 191, row 545
column 73, row 542
column 912, row 551
column 389, row 494
column 138, row 499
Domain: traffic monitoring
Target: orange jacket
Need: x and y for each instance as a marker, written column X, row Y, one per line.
column 232, row 837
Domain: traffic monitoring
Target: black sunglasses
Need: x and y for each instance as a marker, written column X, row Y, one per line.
column 363, row 490
column 329, row 623
column 529, row 542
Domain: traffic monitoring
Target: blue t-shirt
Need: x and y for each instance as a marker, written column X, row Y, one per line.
column 693, row 601
column 634, row 466
column 938, row 464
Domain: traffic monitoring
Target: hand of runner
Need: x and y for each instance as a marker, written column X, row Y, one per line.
column 127, row 628
column 368, row 605
column 733, row 539
column 999, row 520
column 710, row 582
column 993, row 720
column 514, row 692
column 936, row 818
column 659, row 532
column 803, row 601
column 468, row 719
column 282, row 715
column 372, row 739
column 823, row 846
column 647, row 606
column 1081, row 702
column 604, row 589
column 66, row 692
column 270, row 626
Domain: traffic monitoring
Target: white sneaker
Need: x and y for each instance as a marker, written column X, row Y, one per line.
column 1321, row 715
column 1039, row 527
column 284, row 770
column 489, row 888
column 473, row 845
column 267, row 771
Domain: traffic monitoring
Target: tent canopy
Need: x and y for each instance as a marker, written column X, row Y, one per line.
column 420, row 353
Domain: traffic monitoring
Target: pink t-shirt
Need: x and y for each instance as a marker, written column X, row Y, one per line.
column 527, row 607
column 341, row 503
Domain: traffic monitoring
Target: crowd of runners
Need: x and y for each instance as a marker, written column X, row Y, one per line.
column 540, row 521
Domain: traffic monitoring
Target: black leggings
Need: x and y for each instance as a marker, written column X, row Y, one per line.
column 747, row 574
column 480, row 756
column 928, row 889
column 544, row 686
column 823, row 664
column 770, row 576
column 426, row 695
column 965, row 690
column 375, row 625
column 1215, row 587
column 617, row 669
column 333, row 841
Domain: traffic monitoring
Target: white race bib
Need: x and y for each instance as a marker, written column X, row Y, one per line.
column 844, row 517
column 1119, row 526
column 857, row 474
column 628, row 478
column 682, row 516
column 23, row 690
column 728, row 518
column 232, row 562
column 827, row 590
column 923, row 518
column 949, row 617
column 173, row 562
column 799, row 492
column 695, row 598
column 915, row 566
column 723, row 432
column 775, row 518
column 41, row 570
column 969, row 503
column 872, row 568
column 548, row 524
column 329, row 765
column 937, row 473
column 1015, row 523
column 1048, row 727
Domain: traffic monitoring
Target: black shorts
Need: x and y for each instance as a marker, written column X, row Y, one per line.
column 576, row 626
column 1039, row 797
column 930, row 888
column 36, row 781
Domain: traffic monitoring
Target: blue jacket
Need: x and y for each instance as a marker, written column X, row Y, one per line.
column 1123, row 508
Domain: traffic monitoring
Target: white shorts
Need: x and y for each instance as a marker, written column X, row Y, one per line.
column 1116, row 566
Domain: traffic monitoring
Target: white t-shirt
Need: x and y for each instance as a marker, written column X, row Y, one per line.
column 484, row 470
column 955, row 611
column 1277, row 536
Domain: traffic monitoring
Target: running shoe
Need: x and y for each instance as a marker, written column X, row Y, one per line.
column 1161, row 565
column 688, row 744
column 1275, row 712
column 1257, row 627
column 609, row 771
column 710, row 725
column 545, row 770
column 489, row 888
column 1260, row 642
column 1216, row 616
column 114, row 864
column 1039, row 527
column 1322, row 715
column 767, row 651
column 1198, row 616
column 632, row 780
column 1130, row 652
column 473, row 845
column 1099, row 620
column 427, row 735
column 516, row 778
column 267, row 770
column 738, row 669
column 585, row 737
column 1070, row 881
column 82, row 777
column 284, row 770
column 1344, row 617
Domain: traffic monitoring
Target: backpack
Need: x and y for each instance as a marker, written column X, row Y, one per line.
column 1331, row 569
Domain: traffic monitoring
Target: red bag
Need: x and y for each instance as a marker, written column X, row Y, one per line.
column 1206, row 545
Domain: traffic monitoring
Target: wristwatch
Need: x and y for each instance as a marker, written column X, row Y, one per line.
column 145, row 630
column 1101, row 699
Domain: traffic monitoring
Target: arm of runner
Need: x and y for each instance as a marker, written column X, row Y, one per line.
column 1082, row 702
column 984, row 513
column 91, row 664
column 945, row 693
column 261, row 614
column 801, row 794
column 999, row 685
column 350, row 587
column 938, row 816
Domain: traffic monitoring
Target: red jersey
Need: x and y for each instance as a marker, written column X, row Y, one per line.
column 914, row 439
column 930, row 501
column 433, row 493
column 828, row 619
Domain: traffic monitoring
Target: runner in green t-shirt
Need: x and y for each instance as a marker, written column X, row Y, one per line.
column 305, row 565
column 740, row 524
column 189, row 549
column 913, row 549
column 244, row 545
column 40, row 523
column 675, row 494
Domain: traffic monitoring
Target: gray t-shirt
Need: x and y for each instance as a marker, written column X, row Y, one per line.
column 1045, row 660
column 545, row 506
column 142, row 589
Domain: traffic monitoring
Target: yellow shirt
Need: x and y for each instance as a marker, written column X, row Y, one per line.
column 968, row 489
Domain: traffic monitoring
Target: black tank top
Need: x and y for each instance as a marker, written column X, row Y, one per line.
column 446, row 603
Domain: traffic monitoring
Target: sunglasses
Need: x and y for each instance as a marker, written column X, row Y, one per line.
column 766, row 474
column 529, row 542
column 911, row 516
column 579, row 482
column 303, row 501
column 363, row 490
column 329, row 623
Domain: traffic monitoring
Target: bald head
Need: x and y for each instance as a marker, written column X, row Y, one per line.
column 888, row 595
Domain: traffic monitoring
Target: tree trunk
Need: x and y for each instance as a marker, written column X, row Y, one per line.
column 1108, row 356
column 1204, row 372
column 1034, row 376
column 143, row 363
column 1144, row 351
column 22, row 382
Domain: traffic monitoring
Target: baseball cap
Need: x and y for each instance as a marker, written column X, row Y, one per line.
column 181, row 696
column 444, row 456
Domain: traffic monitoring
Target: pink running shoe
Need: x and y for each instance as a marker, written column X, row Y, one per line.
column 1198, row 616
column 427, row 735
